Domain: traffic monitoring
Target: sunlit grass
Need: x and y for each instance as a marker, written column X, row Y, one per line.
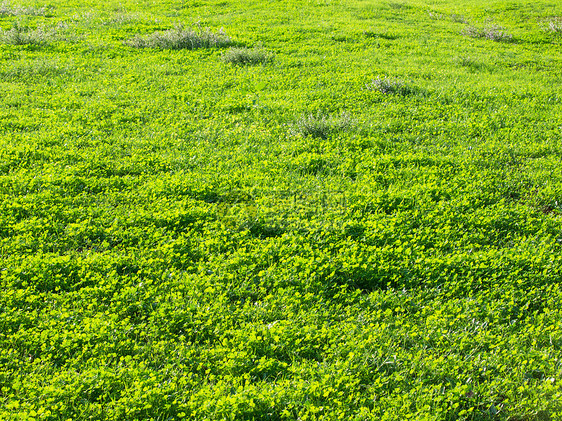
column 358, row 218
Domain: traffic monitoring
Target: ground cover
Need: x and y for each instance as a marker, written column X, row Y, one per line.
column 281, row 210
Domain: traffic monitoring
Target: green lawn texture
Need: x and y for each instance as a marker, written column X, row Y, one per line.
column 342, row 210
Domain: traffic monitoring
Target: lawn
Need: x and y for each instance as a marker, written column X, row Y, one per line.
column 281, row 210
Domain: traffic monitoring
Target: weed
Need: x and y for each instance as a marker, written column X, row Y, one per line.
column 554, row 26
column 390, row 85
column 321, row 125
column 473, row 32
column 33, row 69
column 436, row 16
column 8, row 10
column 383, row 35
column 121, row 19
column 23, row 35
column 242, row 56
column 458, row 18
column 492, row 32
column 398, row 6
column 497, row 33
column 341, row 38
column 465, row 61
column 182, row 38
column 469, row 62
column 454, row 17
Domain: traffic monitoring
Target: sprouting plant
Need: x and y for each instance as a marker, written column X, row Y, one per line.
column 242, row 56
column 182, row 38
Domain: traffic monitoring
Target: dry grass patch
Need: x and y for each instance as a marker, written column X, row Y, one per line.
column 554, row 26
column 8, row 10
column 243, row 56
column 321, row 125
column 389, row 85
column 182, row 38
column 492, row 32
column 23, row 35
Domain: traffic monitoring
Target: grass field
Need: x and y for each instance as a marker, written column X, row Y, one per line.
column 281, row 210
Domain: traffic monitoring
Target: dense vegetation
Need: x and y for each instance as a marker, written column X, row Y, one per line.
column 285, row 209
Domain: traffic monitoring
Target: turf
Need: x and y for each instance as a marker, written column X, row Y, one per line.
column 281, row 210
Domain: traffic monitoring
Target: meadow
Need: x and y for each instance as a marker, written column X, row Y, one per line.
column 281, row 210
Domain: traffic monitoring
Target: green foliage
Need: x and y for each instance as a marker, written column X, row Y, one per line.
column 185, row 239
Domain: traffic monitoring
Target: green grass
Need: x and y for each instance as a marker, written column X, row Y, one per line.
column 365, row 227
